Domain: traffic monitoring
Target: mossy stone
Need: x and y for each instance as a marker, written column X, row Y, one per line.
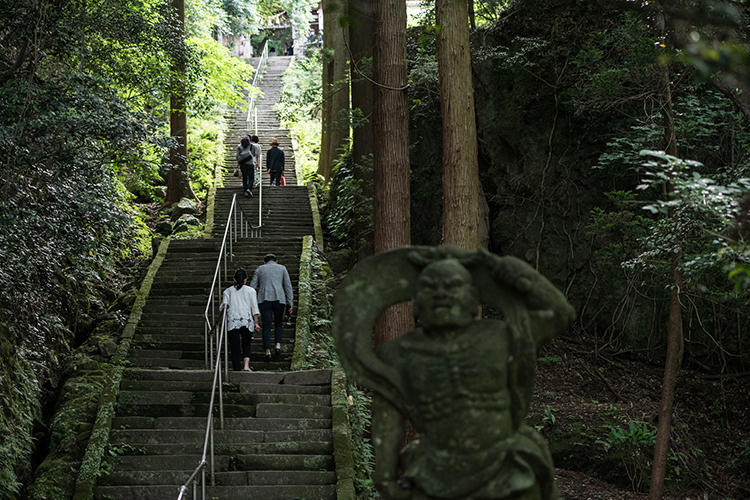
column 183, row 207
column 164, row 228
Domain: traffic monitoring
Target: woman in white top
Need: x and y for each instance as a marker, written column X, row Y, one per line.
column 242, row 316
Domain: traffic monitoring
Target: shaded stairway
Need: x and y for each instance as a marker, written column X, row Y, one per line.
column 277, row 439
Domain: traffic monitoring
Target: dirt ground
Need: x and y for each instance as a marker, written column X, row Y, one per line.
column 580, row 398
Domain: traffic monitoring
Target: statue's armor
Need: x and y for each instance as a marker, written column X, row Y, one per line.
column 468, row 446
column 448, row 382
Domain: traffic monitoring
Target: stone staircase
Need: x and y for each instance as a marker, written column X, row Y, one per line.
column 277, row 437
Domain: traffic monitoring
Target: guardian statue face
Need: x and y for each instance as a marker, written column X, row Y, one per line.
column 446, row 297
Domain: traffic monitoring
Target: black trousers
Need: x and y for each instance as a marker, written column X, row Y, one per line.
column 248, row 176
column 272, row 311
column 239, row 346
column 276, row 177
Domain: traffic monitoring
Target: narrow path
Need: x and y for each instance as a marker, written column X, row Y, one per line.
column 277, row 441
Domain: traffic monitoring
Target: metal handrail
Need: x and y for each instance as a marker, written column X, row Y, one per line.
column 208, row 440
column 225, row 254
column 252, row 111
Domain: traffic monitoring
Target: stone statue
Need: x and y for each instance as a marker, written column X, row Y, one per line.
column 464, row 383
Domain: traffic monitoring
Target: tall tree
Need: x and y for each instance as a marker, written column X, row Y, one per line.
column 178, row 183
column 391, row 155
column 674, row 325
column 335, row 131
column 361, row 30
column 460, row 164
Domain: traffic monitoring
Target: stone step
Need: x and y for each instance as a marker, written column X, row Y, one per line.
column 137, row 437
column 198, row 345
column 195, row 364
column 237, row 478
column 257, row 358
column 306, row 377
column 186, row 410
column 222, row 462
column 176, row 397
column 280, row 448
column 192, row 333
column 308, row 492
column 248, row 424
column 191, row 342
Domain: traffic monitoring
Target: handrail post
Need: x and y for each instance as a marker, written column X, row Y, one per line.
column 213, row 468
column 195, row 489
column 221, row 393
column 231, row 232
column 226, row 360
column 203, row 482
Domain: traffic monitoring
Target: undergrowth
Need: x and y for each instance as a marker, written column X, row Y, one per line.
column 321, row 353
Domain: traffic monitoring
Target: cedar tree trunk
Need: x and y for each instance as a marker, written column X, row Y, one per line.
column 460, row 164
column 178, row 183
column 361, row 32
column 335, row 133
column 391, row 155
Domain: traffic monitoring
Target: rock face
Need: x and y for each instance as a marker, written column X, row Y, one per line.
column 535, row 158
column 464, row 384
column 184, row 206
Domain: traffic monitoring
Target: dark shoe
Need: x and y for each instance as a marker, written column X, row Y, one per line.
column 249, row 193
column 278, row 352
column 268, row 357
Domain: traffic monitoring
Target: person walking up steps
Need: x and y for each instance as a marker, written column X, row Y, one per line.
column 246, row 162
column 242, row 315
column 274, row 287
column 257, row 153
column 275, row 163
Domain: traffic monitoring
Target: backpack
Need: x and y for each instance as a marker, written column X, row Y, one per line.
column 245, row 156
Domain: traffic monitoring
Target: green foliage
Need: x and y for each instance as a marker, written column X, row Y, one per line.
column 84, row 134
column 489, row 11
column 218, row 81
column 299, row 108
column 703, row 122
column 614, row 65
column 321, row 350
column 349, row 209
column 299, row 12
column 633, row 445
column 360, row 421
column 321, row 353
column 549, row 417
column 205, row 152
column 618, row 227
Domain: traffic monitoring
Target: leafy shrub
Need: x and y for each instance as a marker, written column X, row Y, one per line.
column 634, row 446
column 299, row 108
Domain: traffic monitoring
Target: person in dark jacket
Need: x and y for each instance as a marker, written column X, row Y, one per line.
column 275, row 163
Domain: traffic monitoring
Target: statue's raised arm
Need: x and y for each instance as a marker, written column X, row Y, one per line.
column 548, row 309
